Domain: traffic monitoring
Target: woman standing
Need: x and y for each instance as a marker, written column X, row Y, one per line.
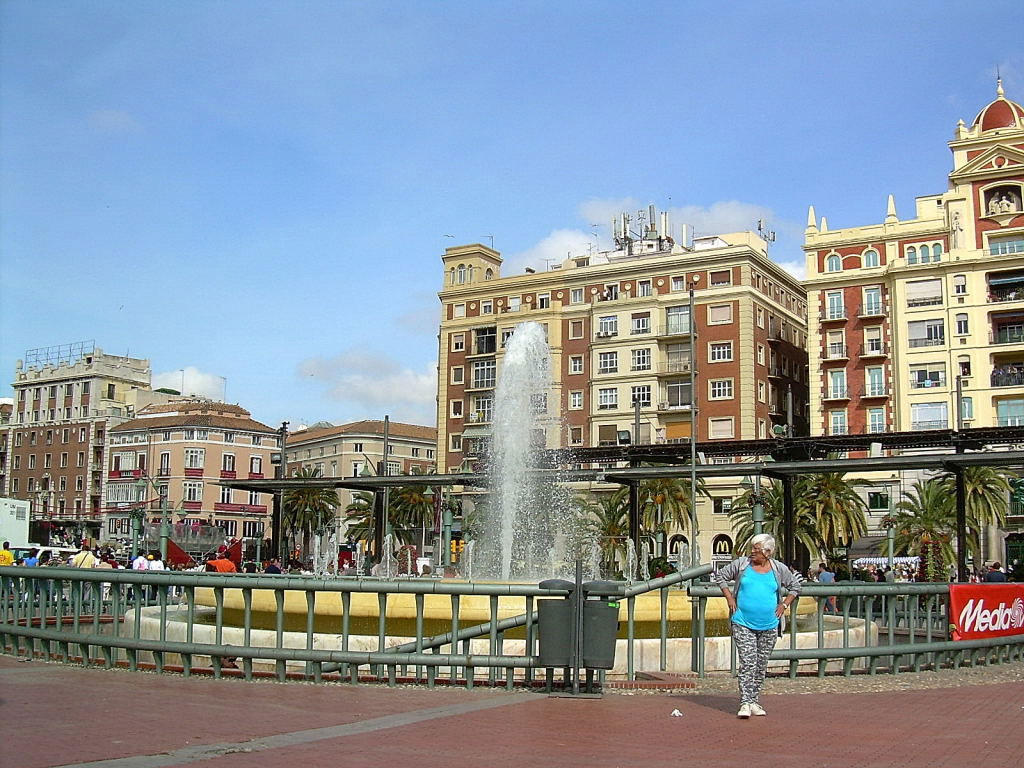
column 762, row 591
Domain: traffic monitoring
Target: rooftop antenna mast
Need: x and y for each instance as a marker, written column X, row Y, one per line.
column 491, row 238
column 768, row 235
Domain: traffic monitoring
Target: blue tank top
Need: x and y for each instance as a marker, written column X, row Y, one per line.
column 757, row 599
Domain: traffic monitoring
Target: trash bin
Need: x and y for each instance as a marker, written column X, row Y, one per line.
column 600, row 624
column 554, row 625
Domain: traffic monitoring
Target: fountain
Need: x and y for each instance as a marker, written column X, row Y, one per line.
column 529, row 531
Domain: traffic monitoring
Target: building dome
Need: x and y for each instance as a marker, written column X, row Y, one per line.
column 1001, row 113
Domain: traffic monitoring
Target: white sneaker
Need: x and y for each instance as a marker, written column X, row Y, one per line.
column 757, row 710
column 744, row 711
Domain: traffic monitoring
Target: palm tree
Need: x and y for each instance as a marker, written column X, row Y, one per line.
column 987, row 492
column 359, row 517
column 833, row 503
column 923, row 522
column 410, row 512
column 805, row 526
column 665, row 503
column 607, row 518
column 309, row 509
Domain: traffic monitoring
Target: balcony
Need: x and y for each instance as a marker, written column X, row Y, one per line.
column 873, row 391
column 931, row 382
column 163, row 472
column 924, row 301
column 124, row 474
column 674, row 367
column 253, row 509
column 833, row 314
column 480, row 417
column 837, row 393
column 873, row 349
column 674, row 329
column 673, row 406
column 605, row 335
column 775, row 372
column 1010, row 421
column 873, row 309
column 193, row 472
column 835, row 352
column 227, row 474
column 192, row 506
column 1008, row 376
column 255, row 475
column 640, row 330
column 927, row 425
column 1007, row 335
column 997, row 294
column 939, row 341
column 1006, row 247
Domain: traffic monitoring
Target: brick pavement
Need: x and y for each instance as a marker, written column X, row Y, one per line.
column 53, row 715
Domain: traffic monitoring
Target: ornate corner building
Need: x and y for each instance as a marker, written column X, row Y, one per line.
column 912, row 320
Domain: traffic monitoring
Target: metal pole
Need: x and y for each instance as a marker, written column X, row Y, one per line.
column 277, row 516
column 693, row 432
column 757, row 509
column 164, row 526
column 634, row 486
column 446, row 533
column 890, row 537
column 961, row 525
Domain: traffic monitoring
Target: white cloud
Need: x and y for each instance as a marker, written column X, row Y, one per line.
column 114, row 122
column 553, row 249
column 372, row 384
column 191, row 381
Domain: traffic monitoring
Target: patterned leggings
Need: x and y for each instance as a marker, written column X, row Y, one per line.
column 753, row 647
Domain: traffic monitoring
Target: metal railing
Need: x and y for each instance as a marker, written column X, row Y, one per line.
column 122, row 618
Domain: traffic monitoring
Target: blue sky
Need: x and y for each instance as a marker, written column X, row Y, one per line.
column 259, row 193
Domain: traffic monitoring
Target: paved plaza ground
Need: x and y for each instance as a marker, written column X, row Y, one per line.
column 55, row 715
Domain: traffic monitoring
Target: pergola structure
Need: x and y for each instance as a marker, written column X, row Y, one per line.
column 784, row 460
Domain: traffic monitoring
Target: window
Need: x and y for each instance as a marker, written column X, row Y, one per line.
column 514, row 303
column 608, row 362
column 641, row 359
column 678, row 283
column 576, row 296
column 225, row 495
column 928, row 375
column 459, row 310
column 192, row 490
column 79, row 483
column 966, row 408
column 63, row 459
column 640, row 394
column 837, row 422
column 204, row 434
column 641, row 323
column 924, row 293
column 357, row 447
column 483, row 408
column 837, row 384
column 80, row 459
column 575, row 435
column 611, row 292
column 720, row 389
column 677, row 320
column 576, row 364
column 876, row 420
column 543, row 300
column 458, row 372
column 927, row 333
column 643, row 288
column 229, row 437
column 721, row 506
column 761, row 390
column 759, row 312
column 227, row 462
column 394, row 468
column 194, row 458
column 721, row 277
column 834, row 263
column 872, row 301
column 835, row 345
column 719, row 314
column 506, row 334
column 911, row 254
column 720, row 428
column 874, row 381
column 575, row 329
column 677, row 393
column 456, row 409
column 878, row 501
column 608, row 398
column 484, row 374
column 929, row 415
column 458, row 342
column 720, row 351
column 1009, row 413
column 575, row 400
column 835, row 307
column 962, row 327
column 964, row 364
column 871, row 258
column 873, row 341
column 960, row 284
column 487, row 307
column 455, row 442
column 760, row 354
column 608, row 325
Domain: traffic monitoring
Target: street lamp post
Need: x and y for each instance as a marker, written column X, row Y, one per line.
column 142, row 484
column 756, row 503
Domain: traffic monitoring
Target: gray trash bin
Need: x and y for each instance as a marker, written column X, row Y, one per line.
column 600, row 624
column 554, row 625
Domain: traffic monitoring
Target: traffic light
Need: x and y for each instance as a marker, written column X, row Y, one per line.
column 457, row 544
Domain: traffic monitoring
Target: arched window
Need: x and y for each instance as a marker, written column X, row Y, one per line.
column 461, row 274
column 911, row 255
column 451, row 276
column 833, row 264
column 488, row 274
column 937, row 252
column 871, row 258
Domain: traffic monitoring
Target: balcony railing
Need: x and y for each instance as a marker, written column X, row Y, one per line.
column 834, row 313
column 939, row 381
column 674, row 367
column 837, row 393
column 193, row 472
column 674, row 329
column 929, row 342
column 1006, row 247
column 673, row 406
column 924, row 301
column 1010, row 421
column 877, row 390
column 835, row 352
column 1004, row 378
column 873, row 349
column 1013, row 335
column 999, row 294
column 227, row 474
column 872, row 309
column 934, row 424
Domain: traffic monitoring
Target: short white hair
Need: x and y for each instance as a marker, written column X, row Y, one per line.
column 766, row 541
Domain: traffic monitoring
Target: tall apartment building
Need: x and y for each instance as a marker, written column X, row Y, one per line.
column 619, row 327
column 901, row 310
column 66, row 399
column 183, row 448
column 345, row 450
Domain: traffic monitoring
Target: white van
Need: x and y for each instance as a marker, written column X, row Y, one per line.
column 45, row 554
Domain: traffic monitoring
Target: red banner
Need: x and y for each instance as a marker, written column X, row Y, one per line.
column 986, row 610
